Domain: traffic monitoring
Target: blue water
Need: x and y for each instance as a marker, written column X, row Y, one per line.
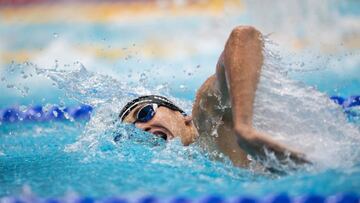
column 135, row 168
column 67, row 158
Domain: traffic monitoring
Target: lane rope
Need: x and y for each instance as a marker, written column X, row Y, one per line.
column 277, row 198
column 83, row 112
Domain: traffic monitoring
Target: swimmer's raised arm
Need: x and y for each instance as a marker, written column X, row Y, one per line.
column 237, row 75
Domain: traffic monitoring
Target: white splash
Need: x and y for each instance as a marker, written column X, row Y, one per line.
column 303, row 117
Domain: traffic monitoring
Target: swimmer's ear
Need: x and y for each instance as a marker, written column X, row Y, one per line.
column 188, row 120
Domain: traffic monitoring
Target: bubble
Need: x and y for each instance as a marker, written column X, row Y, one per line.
column 143, row 78
column 46, row 107
column 55, row 113
column 38, row 130
column 24, row 91
column 23, row 108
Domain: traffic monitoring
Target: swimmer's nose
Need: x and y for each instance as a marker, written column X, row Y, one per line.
column 143, row 126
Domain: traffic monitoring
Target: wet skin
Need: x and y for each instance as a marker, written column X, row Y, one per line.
column 225, row 98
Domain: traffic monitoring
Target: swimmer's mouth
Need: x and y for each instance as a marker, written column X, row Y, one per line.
column 163, row 133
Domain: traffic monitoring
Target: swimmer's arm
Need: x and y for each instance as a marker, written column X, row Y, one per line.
column 237, row 76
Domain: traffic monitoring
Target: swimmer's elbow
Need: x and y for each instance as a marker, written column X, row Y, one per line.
column 244, row 33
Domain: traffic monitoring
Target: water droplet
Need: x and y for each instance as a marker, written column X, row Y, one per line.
column 38, row 130
column 10, row 86
column 198, row 66
column 143, row 77
column 55, row 113
column 22, row 108
column 56, row 35
column 66, row 115
column 25, row 91
column 46, row 108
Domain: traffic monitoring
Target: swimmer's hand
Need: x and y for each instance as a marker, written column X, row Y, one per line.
column 256, row 144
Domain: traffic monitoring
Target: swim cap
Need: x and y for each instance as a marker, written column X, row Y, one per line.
column 160, row 100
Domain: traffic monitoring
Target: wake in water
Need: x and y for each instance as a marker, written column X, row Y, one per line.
column 291, row 112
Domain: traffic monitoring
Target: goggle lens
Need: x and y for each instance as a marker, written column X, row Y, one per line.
column 146, row 113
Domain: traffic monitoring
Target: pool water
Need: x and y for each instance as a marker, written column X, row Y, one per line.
column 135, row 168
column 170, row 56
column 67, row 158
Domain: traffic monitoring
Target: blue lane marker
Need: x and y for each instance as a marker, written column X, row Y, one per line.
column 279, row 198
column 148, row 199
column 180, row 200
column 38, row 113
column 115, row 200
column 347, row 198
column 85, row 200
column 83, row 112
column 213, row 199
column 351, row 102
column 347, row 102
column 246, row 199
column 312, row 199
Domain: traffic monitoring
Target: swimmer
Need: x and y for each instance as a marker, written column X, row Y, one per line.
column 234, row 82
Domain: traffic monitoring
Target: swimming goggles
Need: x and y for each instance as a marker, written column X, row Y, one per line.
column 146, row 113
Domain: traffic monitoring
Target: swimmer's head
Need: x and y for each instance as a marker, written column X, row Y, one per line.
column 159, row 116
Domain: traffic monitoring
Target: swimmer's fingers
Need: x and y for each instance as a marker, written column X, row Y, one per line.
column 258, row 145
column 285, row 155
column 299, row 158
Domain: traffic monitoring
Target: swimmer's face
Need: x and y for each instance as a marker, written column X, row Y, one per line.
column 167, row 124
